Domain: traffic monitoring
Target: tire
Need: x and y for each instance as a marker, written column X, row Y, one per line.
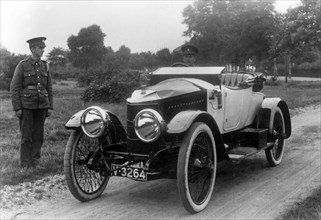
column 275, row 154
column 83, row 183
column 196, row 168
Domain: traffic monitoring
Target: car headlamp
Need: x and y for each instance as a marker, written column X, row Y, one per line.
column 94, row 121
column 148, row 125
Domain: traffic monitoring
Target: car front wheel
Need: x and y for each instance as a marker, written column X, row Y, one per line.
column 196, row 168
column 84, row 182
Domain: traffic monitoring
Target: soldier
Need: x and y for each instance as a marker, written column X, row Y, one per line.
column 32, row 101
column 189, row 54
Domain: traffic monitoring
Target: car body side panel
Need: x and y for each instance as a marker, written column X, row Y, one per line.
column 240, row 107
column 251, row 108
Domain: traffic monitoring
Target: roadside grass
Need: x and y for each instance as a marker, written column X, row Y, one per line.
column 67, row 102
column 297, row 94
column 308, row 209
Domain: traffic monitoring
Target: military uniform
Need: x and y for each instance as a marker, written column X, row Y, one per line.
column 31, row 90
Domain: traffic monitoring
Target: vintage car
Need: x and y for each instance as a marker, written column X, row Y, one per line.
column 179, row 126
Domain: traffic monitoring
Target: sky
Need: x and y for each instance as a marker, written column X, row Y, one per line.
column 145, row 25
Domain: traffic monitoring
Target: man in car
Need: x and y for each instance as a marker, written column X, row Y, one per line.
column 32, row 100
column 189, row 54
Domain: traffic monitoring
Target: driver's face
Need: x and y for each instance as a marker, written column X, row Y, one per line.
column 189, row 59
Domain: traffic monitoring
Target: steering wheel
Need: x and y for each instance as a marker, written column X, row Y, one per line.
column 179, row 64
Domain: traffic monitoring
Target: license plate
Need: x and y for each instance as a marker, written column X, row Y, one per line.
column 129, row 172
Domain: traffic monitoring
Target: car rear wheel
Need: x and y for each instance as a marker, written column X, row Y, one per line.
column 274, row 154
column 84, row 182
column 196, row 168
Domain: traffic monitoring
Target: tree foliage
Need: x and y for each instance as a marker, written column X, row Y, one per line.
column 87, row 48
column 234, row 31
column 57, row 57
column 302, row 28
column 8, row 63
column 122, row 56
column 230, row 31
column 164, row 57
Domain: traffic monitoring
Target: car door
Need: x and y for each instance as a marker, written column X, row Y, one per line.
column 234, row 107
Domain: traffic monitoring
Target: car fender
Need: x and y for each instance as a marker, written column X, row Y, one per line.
column 183, row 121
column 267, row 112
column 116, row 129
column 74, row 121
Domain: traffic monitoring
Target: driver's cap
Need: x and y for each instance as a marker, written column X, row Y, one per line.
column 189, row 49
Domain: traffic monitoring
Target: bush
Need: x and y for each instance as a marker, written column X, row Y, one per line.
column 96, row 75
column 84, row 79
column 58, row 76
column 5, row 80
column 115, row 89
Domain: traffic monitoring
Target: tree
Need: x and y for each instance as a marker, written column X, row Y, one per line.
column 8, row 63
column 122, row 57
column 149, row 60
column 4, row 54
column 87, row 48
column 164, row 57
column 230, row 31
column 302, row 29
column 57, row 57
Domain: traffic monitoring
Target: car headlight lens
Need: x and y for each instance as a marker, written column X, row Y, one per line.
column 94, row 121
column 148, row 125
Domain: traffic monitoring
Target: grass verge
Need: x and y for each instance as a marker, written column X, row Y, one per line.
column 309, row 209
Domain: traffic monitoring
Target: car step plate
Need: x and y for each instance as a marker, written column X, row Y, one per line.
column 240, row 153
column 243, row 150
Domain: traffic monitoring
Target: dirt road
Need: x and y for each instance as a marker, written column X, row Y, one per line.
column 249, row 190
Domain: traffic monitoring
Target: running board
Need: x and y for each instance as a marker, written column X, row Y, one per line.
column 240, row 153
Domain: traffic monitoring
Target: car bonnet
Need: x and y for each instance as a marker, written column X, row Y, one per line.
column 167, row 89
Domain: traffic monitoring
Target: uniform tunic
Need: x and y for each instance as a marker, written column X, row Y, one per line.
column 31, row 91
column 31, row 86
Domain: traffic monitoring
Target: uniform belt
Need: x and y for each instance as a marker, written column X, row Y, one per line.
column 34, row 87
column 31, row 87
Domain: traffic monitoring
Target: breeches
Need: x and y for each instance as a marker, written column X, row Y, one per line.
column 32, row 124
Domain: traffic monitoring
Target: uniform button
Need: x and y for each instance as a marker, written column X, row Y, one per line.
column 37, row 70
column 38, row 83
